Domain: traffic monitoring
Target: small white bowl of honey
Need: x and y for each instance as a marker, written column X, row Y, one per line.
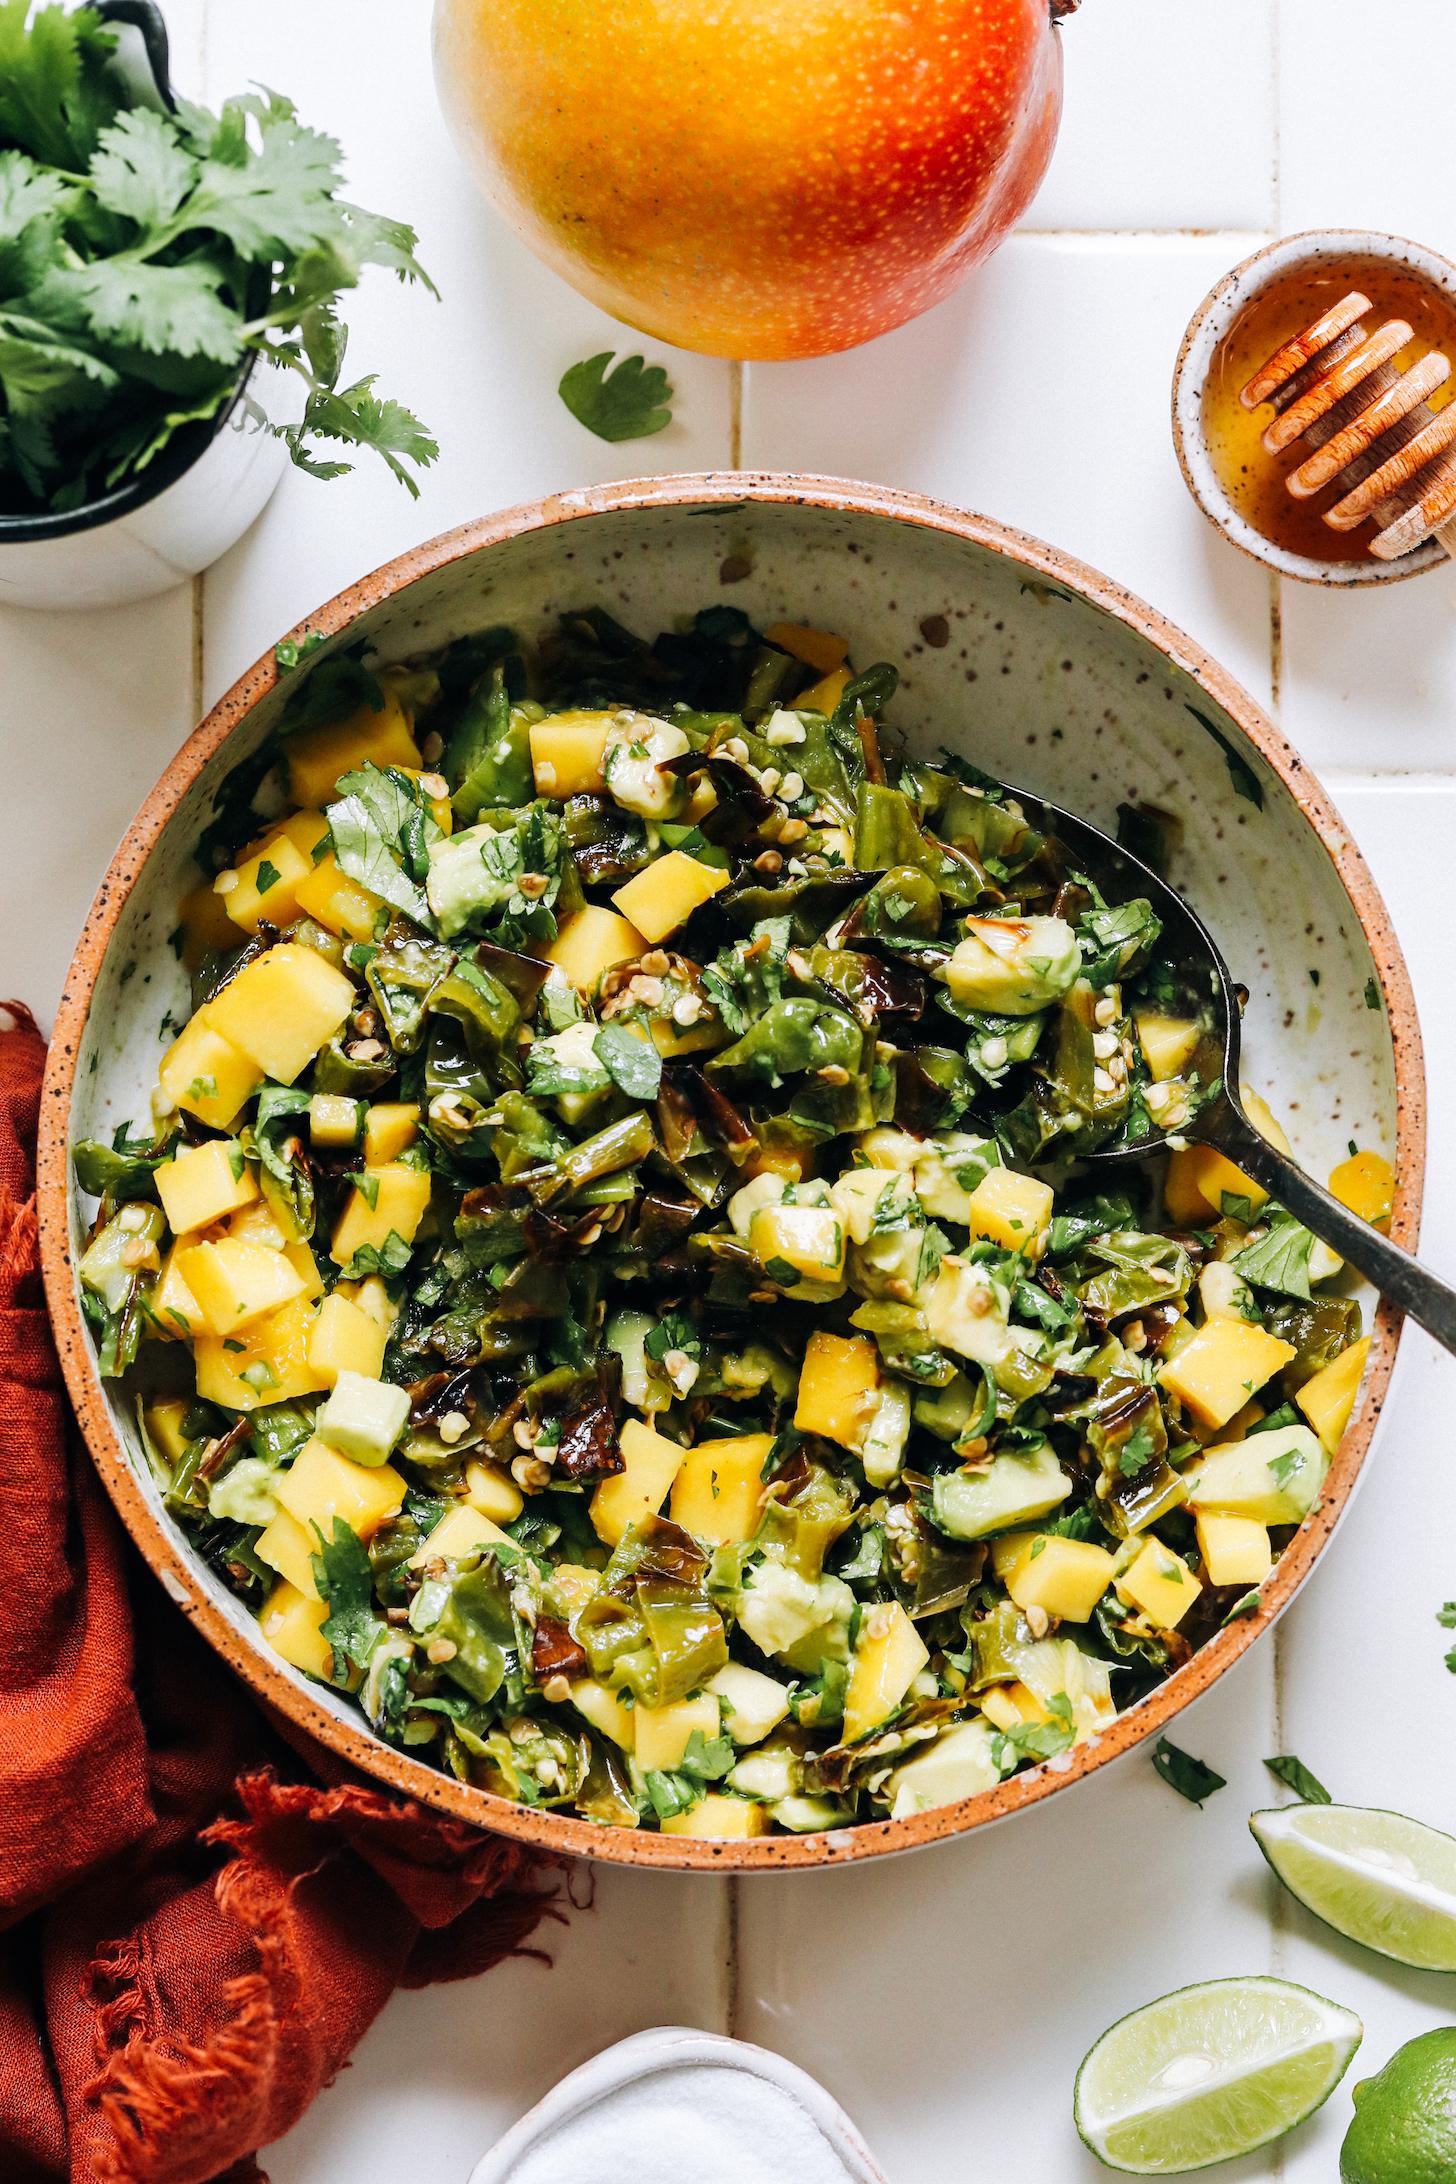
column 1313, row 409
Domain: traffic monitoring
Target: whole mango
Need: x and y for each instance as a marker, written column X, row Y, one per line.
column 756, row 178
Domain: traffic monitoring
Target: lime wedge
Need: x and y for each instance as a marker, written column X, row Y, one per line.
column 1209, row 2073
column 1387, row 1882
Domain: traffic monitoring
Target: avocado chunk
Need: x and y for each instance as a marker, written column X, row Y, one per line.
column 960, row 1763
column 363, row 1418
column 973, row 1504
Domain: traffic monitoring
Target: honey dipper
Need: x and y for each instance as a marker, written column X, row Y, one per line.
column 1360, row 423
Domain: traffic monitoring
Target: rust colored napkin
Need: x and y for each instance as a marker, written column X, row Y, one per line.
column 194, row 1930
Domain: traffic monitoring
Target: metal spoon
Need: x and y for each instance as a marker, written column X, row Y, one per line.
column 1220, row 1121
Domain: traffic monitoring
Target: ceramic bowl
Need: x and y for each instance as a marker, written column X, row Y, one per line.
column 676, row 2084
column 1038, row 668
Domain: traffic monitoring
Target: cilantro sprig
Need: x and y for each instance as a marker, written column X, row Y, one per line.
column 145, row 256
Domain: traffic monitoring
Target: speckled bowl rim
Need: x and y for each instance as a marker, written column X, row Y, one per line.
column 1227, row 296
column 183, row 1577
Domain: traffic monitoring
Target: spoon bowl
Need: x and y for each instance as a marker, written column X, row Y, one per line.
column 1218, row 1118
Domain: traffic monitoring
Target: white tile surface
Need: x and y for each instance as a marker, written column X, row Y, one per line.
column 445, row 2070
column 1168, row 121
column 1361, row 138
column 481, row 367
column 947, row 1998
column 86, row 726
column 1369, row 679
column 1050, row 372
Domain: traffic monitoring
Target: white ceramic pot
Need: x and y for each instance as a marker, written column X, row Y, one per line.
column 175, row 520
column 661, row 2097
column 199, row 496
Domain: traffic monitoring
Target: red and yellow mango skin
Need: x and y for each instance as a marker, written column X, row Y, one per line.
column 755, row 178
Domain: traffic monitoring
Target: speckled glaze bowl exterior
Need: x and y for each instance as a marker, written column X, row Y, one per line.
column 1226, row 302
column 1041, row 670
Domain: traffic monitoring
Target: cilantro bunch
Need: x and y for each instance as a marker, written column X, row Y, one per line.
column 145, row 255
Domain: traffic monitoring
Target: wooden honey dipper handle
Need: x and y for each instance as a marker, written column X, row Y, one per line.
column 1362, row 424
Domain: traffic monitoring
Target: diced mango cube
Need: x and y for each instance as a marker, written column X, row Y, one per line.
column 1161, row 1584
column 308, row 831
column 166, row 1430
column 1221, row 1365
column 1011, row 1210
column 267, row 1363
column 1011, row 1706
column 400, row 1198
column 806, row 1242
column 287, row 1548
column 652, row 1463
column 590, row 943
column 1366, row 1184
column 838, row 1383
column 292, row 1623
column 1265, row 1121
column 318, row 756
column 206, row 927
column 321, row 1485
column 664, row 1732
column 1183, row 1196
column 605, row 1712
column 1212, row 1178
column 493, row 1491
column 661, row 898
column 889, row 1654
column 236, row 1283
column 825, row 695
column 265, row 884
column 460, row 1532
column 442, row 811
column 719, row 1818
column 335, row 1122
column 345, row 1339
column 206, row 1074
column 172, row 1309
column 567, row 750
column 281, row 1008
column 339, row 904
column 1063, row 1577
column 1168, row 1043
column 815, row 647
column 716, row 1492
column 203, row 1183
column 1329, row 1397
column 390, row 1128
column 1235, row 1550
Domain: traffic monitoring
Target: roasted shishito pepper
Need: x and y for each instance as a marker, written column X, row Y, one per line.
column 610, row 1283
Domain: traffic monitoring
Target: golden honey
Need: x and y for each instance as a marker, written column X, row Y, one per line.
column 1252, row 478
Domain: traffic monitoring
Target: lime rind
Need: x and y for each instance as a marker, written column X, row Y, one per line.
column 1210, row 2072
column 1379, row 1878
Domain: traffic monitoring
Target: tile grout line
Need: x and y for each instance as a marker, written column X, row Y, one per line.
column 1139, row 235
column 737, row 396
column 198, row 643
column 732, row 1958
column 1277, row 1924
column 1276, row 642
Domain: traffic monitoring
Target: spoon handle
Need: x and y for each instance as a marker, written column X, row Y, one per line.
column 1429, row 1301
